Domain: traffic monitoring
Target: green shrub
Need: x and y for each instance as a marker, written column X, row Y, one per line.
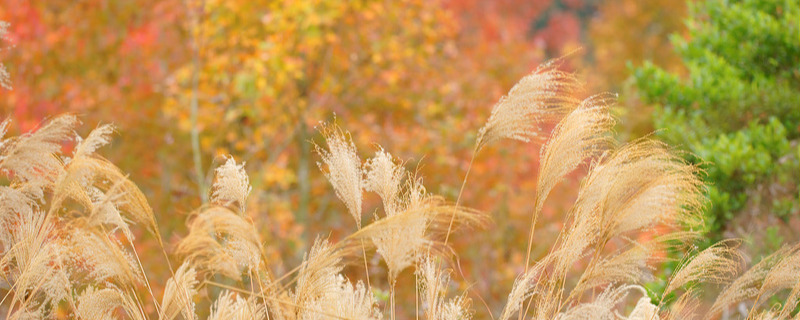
column 737, row 109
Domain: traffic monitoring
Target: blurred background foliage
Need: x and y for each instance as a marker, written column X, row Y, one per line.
column 737, row 110
column 718, row 79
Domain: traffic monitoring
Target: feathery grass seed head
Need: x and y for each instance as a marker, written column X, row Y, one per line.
column 342, row 167
column 231, row 185
column 545, row 94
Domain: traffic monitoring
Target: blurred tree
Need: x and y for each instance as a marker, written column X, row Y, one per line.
column 625, row 32
column 4, row 81
column 270, row 70
column 102, row 60
column 738, row 109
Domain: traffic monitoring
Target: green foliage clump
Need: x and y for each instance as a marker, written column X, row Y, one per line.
column 737, row 108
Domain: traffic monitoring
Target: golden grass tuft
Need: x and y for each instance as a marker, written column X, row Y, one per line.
column 229, row 305
column 384, row 176
column 748, row 285
column 716, row 264
column 432, row 282
column 342, row 166
column 220, row 241
column 232, row 185
column 179, row 294
column 96, row 303
column 583, row 133
column 545, row 94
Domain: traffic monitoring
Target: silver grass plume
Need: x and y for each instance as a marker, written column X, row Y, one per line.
column 344, row 301
column 99, row 137
column 33, row 157
column 384, row 176
column 403, row 234
column 230, row 306
column 524, row 287
column 601, row 308
column 629, row 266
column 96, row 303
column 107, row 194
column 716, row 264
column 433, row 282
column 179, row 295
column 99, row 257
column 316, row 277
column 231, row 185
column 342, row 167
column 644, row 309
column 543, row 95
column 583, row 133
column 748, row 285
column 220, row 241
